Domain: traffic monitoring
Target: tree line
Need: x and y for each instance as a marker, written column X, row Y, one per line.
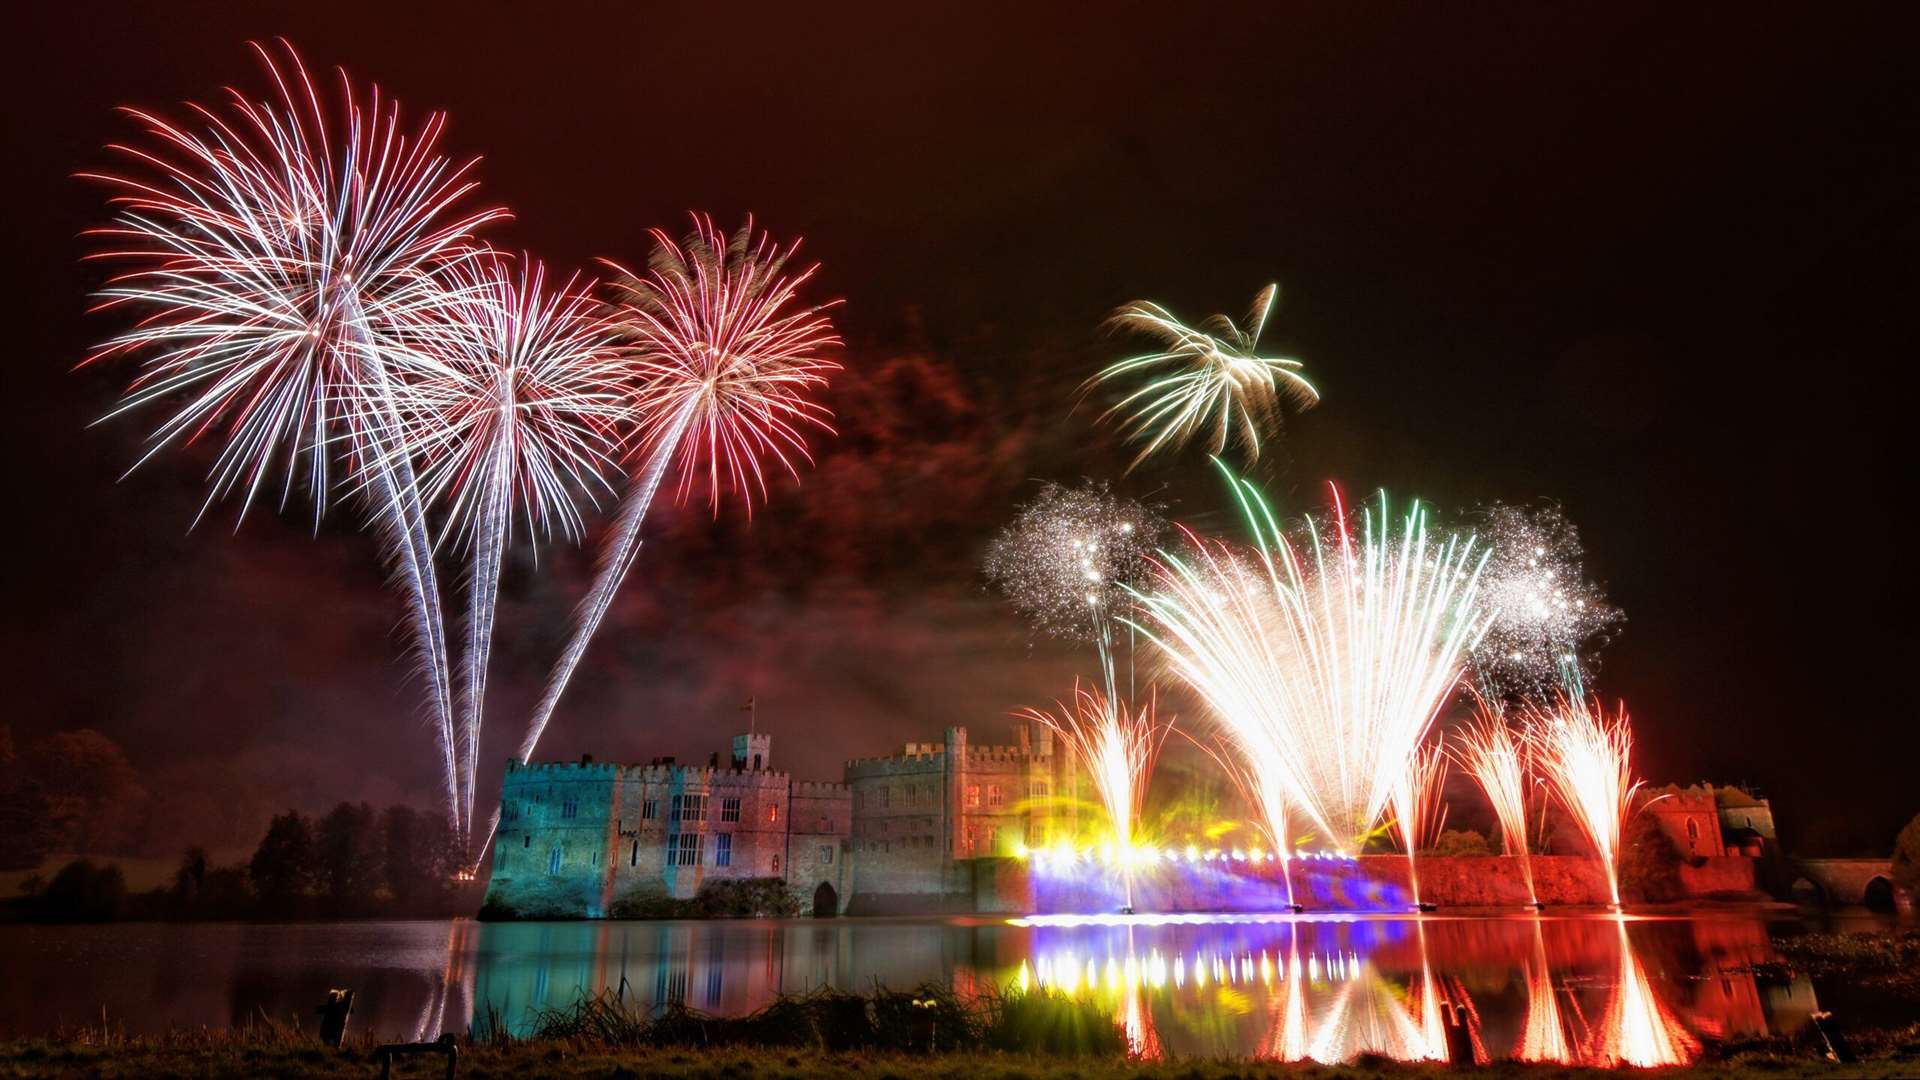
column 353, row 862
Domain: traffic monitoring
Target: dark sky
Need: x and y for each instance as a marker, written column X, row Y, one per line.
column 1654, row 262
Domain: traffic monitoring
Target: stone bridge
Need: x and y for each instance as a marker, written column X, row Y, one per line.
column 1848, row 882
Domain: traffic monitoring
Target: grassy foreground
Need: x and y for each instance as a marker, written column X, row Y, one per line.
column 239, row 1055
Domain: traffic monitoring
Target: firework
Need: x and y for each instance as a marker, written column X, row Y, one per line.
column 1497, row 760
column 1546, row 620
column 271, row 258
column 1323, row 660
column 1418, row 811
column 1266, row 795
column 511, row 410
column 1117, row 746
column 726, row 360
column 1069, row 560
column 1199, row 379
column 1585, row 758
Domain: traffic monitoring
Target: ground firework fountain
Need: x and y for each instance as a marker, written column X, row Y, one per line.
column 1585, row 757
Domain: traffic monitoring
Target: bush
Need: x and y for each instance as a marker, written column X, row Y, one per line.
column 1461, row 842
column 82, row 892
column 1906, row 858
column 1649, row 862
column 751, row 898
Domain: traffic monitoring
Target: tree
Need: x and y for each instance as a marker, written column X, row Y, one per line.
column 281, row 870
column 1906, row 857
column 420, row 858
column 349, row 858
column 1461, row 842
column 1649, row 862
column 83, row 892
column 94, row 797
column 25, row 838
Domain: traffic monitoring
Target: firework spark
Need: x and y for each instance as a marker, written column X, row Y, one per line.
column 1069, row 559
column 271, row 258
column 726, row 360
column 513, row 410
column 1209, row 377
column 1418, row 809
column 1497, row 760
column 1323, row 660
column 1547, row 621
column 1585, row 758
column 1637, row 1028
column 1117, row 746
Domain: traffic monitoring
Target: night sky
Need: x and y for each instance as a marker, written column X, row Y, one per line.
column 1655, row 263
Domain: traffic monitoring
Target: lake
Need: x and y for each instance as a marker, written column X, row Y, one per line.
column 1575, row 987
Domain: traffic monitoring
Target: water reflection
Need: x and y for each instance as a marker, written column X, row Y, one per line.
column 1575, row 990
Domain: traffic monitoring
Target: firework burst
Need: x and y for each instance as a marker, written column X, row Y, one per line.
column 512, row 409
column 1069, row 560
column 1324, row 660
column 1418, row 808
column 1547, row 621
column 1209, row 378
column 273, row 249
column 726, row 360
column 1586, row 759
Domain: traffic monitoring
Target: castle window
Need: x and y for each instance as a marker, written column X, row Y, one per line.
column 649, row 809
column 1693, row 834
column 570, row 808
column 973, row 836
column 773, row 813
column 692, row 807
column 886, row 796
column 994, row 797
column 553, row 861
column 730, row 809
column 634, row 859
column 911, row 793
column 529, row 841
column 1037, row 789
column 973, row 794
column 723, row 849
column 686, row 851
column 826, row 855
column 513, row 812
column 776, row 864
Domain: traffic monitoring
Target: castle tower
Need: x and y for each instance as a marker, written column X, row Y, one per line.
column 753, row 752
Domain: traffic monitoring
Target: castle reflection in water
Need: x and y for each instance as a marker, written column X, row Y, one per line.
column 1589, row 990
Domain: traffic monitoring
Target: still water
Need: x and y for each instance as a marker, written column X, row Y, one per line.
column 1582, row 988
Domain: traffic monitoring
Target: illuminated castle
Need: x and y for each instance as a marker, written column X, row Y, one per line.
column 900, row 833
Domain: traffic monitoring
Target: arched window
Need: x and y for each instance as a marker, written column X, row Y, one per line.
column 776, row 864
column 1693, row 834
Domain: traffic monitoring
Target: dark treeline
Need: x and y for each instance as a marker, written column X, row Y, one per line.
column 353, row 862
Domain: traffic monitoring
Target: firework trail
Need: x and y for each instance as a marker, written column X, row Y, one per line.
column 725, row 361
column 1324, row 661
column 1585, row 758
column 1117, row 746
column 1547, row 622
column 512, row 411
column 271, row 261
column 1496, row 758
column 1418, row 810
column 1069, row 560
column 1205, row 377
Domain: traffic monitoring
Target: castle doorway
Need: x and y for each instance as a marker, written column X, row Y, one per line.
column 826, row 902
column 1879, row 895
